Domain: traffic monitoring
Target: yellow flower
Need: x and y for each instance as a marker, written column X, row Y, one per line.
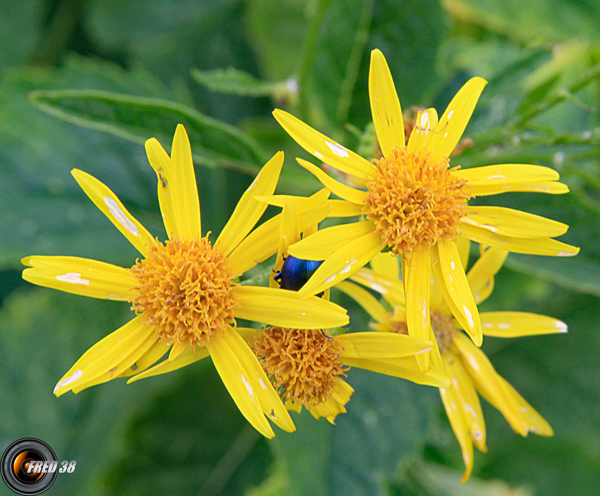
column 307, row 366
column 185, row 291
column 416, row 206
column 467, row 366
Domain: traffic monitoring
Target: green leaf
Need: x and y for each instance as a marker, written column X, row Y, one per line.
column 236, row 82
column 214, row 143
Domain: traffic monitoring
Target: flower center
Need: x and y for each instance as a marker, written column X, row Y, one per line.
column 415, row 201
column 442, row 326
column 303, row 364
column 185, row 290
column 444, row 331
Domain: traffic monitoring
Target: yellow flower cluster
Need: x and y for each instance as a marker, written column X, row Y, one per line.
column 414, row 225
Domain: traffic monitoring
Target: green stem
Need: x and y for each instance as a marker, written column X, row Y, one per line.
column 308, row 56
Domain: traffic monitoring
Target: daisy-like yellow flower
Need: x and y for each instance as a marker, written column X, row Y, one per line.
column 416, row 205
column 467, row 366
column 307, row 366
column 185, row 292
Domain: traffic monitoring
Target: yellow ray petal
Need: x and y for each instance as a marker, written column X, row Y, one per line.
column 112, row 207
column 240, row 382
column 389, row 286
column 386, row 264
column 248, row 211
column 496, row 179
column 531, row 246
column 424, row 124
column 105, row 355
column 153, row 355
column 516, row 324
column 464, row 249
column 416, row 273
column 551, row 188
column 404, row 368
column 270, row 401
column 463, row 386
column 329, row 409
column 289, row 233
column 324, row 243
column 533, row 420
column 247, row 333
column 80, row 276
column 261, row 243
column 341, row 208
column 343, row 263
column 283, row 308
column 184, row 199
column 380, row 345
column 161, row 163
column 385, row 105
column 186, row 357
column 481, row 275
column 487, row 381
column 513, row 223
column 446, row 135
column 455, row 413
column 322, row 147
column 342, row 392
column 457, row 293
column 177, row 349
column 352, row 195
column 365, row 300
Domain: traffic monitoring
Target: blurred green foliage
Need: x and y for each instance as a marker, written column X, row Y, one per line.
column 118, row 72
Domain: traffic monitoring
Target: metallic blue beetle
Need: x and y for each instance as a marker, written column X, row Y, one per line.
column 295, row 272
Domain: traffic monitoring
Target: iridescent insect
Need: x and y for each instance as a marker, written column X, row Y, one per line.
column 295, row 272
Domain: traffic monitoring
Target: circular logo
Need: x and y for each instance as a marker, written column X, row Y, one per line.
column 29, row 466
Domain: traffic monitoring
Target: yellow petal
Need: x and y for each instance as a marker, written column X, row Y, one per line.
column 161, row 163
column 533, row 420
column 329, row 409
column 389, row 286
column 80, row 276
column 405, row 368
column 324, row 243
column 289, row 233
column 513, row 223
column 153, row 355
column 424, row 124
column 112, row 207
column 247, row 333
column 386, row 264
column 453, row 281
column 283, row 308
column 380, row 345
column 551, row 188
column 342, row 208
column 458, row 422
column 322, row 147
column 248, row 211
column 516, row 324
column 464, row 249
column 343, row 263
column 463, row 386
column 365, row 300
column 496, row 179
column 186, row 357
column 342, row 392
column 261, row 243
column 417, row 277
column 177, row 349
column 240, row 382
column 531, row 246
column 184, row 199
column 446, row 135
column 385, row 105
column 270, row 401
column 481, row 275
column 352, row 195
column 487, row 381
column 106, row 354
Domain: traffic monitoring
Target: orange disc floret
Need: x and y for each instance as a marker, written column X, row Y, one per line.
column 185, row 290
column 414, row 201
